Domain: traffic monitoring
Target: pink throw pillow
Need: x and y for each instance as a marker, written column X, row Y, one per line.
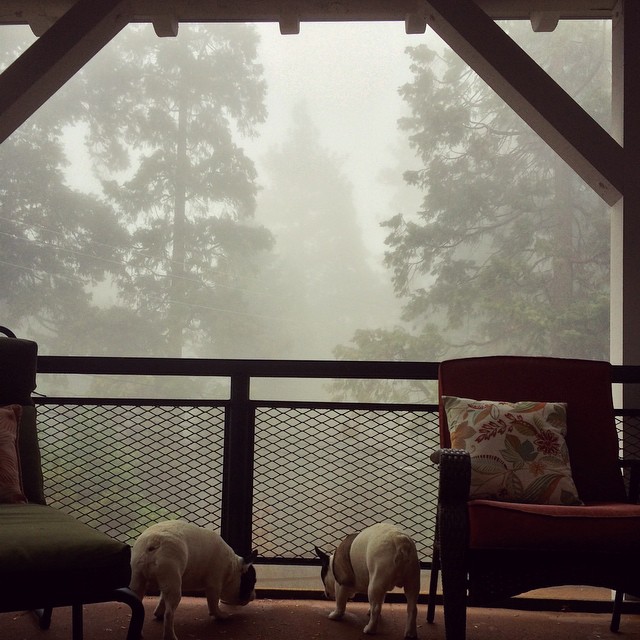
column 10, row 479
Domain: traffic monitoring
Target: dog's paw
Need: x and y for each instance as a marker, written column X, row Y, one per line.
column 158, row 612
column 336, row 615
column 221, row 615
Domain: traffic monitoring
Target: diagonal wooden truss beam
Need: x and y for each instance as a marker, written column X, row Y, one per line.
column 88, row 25
column 56, row 56
column 577, row 138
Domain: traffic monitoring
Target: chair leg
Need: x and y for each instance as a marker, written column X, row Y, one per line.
column 44, row 617
column 454, row 596
column 128, row 597
column 124, row 595
column 433, row 585
column 617, row 611
column 76, row 621
column 453, row 570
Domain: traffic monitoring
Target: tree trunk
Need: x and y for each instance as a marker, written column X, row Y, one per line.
column 178, row 313
column 561, row 287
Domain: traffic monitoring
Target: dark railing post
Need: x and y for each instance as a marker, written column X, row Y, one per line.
column 237, row 469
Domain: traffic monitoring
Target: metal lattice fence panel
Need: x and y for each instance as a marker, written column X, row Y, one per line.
column 318, row 474
column 120, row 468
column 629, row 436
column 322, row 473
column 629, row 432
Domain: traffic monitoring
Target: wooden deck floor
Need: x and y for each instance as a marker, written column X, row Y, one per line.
column 268, row 619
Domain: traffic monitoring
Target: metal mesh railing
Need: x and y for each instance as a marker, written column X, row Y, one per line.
column 322, row 473
column 318, row 471
column 121, row 467
column 629, row 435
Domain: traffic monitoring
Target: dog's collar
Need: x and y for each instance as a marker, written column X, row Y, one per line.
column 342, row 567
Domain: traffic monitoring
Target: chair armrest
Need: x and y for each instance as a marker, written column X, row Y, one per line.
column 455, row 476
column 634, row 478
column 452, row 530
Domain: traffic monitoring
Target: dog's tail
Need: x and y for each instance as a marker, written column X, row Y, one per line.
column 141, row 560
column 406, row 560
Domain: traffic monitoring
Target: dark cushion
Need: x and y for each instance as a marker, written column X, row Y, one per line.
column 49, row 558
column 503, row 525
column 17, row 370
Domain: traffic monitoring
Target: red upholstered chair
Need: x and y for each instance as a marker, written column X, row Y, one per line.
column 488, row 550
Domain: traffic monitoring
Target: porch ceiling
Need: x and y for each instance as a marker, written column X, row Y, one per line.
column 39, row 12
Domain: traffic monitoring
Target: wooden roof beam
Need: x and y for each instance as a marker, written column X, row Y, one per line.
column 22, row 11
column 555, row 116
column 56, row 56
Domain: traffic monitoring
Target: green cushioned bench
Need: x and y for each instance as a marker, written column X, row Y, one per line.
column 49, row 558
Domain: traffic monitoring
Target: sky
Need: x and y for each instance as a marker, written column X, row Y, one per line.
column 348, row 74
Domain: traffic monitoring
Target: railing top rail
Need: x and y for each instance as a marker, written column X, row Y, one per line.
column 263, row 368
column 239, row 367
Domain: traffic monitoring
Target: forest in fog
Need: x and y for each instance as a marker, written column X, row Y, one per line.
column 209, row 195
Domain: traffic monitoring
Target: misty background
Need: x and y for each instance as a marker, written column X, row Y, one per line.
column 350, row 192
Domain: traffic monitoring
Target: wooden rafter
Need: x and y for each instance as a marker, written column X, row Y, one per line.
column 555, row 116
column 88, row 25
column 56, row 56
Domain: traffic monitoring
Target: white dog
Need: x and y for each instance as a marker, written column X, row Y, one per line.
column 373, row 561
column 177, row 556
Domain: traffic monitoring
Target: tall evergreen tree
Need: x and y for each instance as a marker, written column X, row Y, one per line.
column 164, row 120
column 509, row 251
column 512, row 247
column 56, row 243
column 323, row 282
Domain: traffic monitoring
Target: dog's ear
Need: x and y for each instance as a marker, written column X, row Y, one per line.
column 324, row 558
column 250, row 559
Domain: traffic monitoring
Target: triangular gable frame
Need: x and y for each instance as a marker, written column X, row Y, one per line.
column 611, row 169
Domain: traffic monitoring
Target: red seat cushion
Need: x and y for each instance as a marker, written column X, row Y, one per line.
column 508, row 525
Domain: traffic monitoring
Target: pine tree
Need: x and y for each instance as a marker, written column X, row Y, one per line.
column 509, row 251
column 165, row 118
column 56, row 242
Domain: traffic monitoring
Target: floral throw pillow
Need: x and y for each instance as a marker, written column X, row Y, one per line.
column 10, row 484
column 518, row 450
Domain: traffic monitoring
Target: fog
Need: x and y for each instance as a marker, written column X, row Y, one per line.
column 284, row 253
column 348, row 75
column 345, row 77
